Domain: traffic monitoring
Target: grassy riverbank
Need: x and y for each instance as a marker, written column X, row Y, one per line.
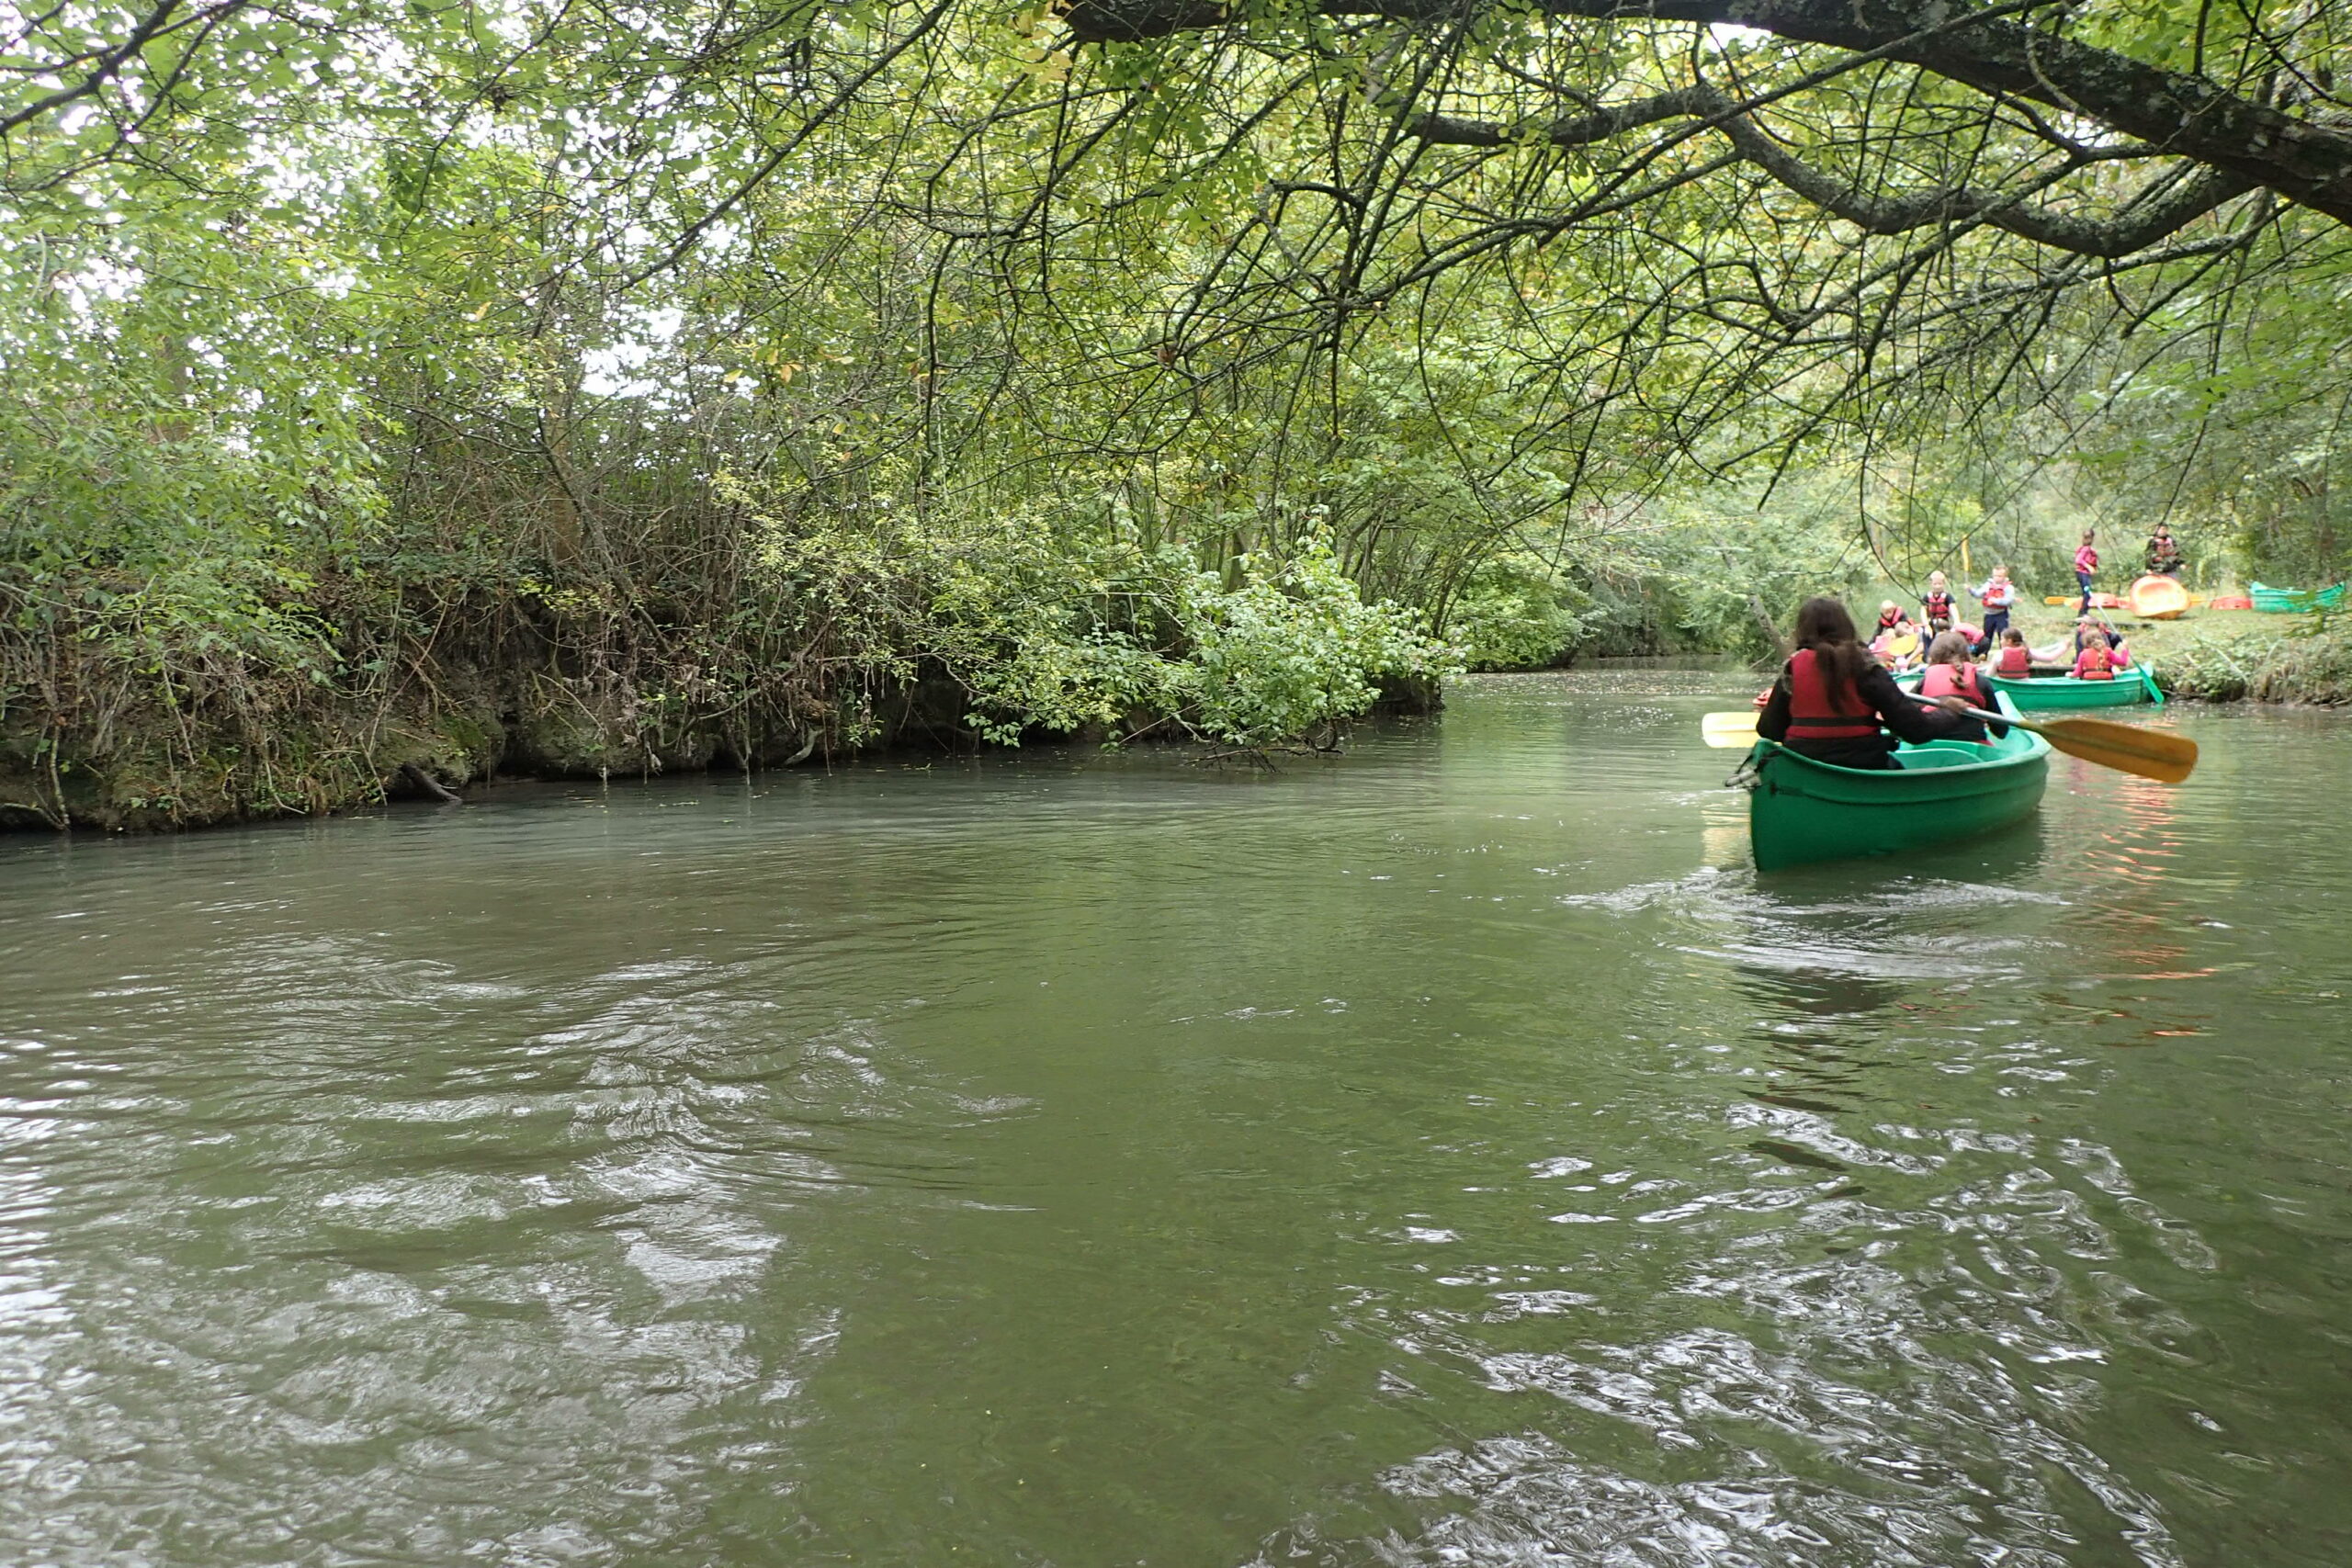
column 2284, row 661
column 2228, row 655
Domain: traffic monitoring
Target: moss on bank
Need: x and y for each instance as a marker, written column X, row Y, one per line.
column 129, row 702
column 274, row 749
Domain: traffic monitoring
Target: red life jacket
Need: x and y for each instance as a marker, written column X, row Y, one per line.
column 1953, row 681
column 2017, row 663
column 2095, row 663
column 1813, row 716
column 1937, row 606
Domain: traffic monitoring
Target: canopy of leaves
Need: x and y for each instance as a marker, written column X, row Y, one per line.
column 590, row 311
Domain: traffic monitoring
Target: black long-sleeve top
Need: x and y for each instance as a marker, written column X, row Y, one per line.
column 1897, row 709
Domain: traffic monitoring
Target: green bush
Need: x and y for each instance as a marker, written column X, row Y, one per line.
column 1514, row 615
column 2309, row 662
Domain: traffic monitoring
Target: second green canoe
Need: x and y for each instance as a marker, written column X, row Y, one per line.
column 2064, row 694
column 1801, row 810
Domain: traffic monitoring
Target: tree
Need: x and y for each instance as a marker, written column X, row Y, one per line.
column 2025, row 57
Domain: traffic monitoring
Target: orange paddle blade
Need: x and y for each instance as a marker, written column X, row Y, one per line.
column 2127, row 748
column 2151, row 753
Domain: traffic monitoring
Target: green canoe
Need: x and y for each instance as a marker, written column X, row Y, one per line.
column 2064, row 694
column 1801, row 810
column 2295, row 601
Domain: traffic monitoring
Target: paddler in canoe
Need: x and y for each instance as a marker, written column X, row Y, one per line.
column 1832, row 698
column 2100, row 652
column 1950, row 674
column 2013, row 659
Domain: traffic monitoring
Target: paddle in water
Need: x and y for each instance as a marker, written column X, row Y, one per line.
column 2127, row 748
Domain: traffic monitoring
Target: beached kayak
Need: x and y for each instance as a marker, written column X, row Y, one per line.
column 2295, row 601
column 2064, row 694
column 1801, row 810
column 2158, row 598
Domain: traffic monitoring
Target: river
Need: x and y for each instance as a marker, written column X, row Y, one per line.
column 1446, row 1154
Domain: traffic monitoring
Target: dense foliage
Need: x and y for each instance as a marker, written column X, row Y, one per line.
column 644, row 386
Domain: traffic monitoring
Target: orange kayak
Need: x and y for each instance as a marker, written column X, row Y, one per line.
column 2158, row 598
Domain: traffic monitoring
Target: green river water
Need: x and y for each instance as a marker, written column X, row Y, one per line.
column 1448, row 1154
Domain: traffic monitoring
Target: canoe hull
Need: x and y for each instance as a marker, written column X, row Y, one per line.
column 2064, row 694
column 2295, row 601
column 1803, row 811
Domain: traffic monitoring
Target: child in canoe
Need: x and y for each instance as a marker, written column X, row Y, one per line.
column 2014, row 660
column 1832, row 697
column 1897, row 646
column 1949, row 674
column 2098, row 629
column 2095, row 656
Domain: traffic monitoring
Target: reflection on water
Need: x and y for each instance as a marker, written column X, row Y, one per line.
column 1446, row 1154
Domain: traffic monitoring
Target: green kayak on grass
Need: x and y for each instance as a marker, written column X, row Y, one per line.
column 2064, row 694
column 2295, row 601
column 1801, row 810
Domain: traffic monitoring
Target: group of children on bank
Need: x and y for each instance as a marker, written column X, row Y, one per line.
column 1903, row 643
column 1900, row 642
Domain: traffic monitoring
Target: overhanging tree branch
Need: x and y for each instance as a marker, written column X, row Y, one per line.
column 2306, row 160
column 2148, row 218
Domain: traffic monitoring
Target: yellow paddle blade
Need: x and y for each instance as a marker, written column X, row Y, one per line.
column 1724, row 730
column 2151, row 753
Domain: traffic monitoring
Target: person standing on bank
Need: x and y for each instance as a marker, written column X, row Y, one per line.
column 1997, row 595
column 2163, row 552
column 2086, row 564
column 1832, row 698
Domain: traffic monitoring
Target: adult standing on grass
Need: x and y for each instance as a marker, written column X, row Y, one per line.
column 2163, row 552
column 2086, row 564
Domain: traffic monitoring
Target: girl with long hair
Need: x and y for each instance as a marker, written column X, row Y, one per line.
column 1832, row 698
